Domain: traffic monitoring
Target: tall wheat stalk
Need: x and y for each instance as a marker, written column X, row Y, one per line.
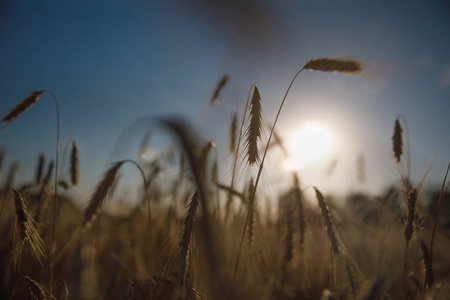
column 324, row 64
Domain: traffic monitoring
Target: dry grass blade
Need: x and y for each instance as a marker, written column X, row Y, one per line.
column 74, row 164
column 333, row 65
column 233, row 133
column 328, row 223
column 25, row 230
column 100, row 194
column 253, row 132
column 187, row 235
column 37, row 291
column 219, row 88
column 40, row 168
column 21, row 107
column 397, row 141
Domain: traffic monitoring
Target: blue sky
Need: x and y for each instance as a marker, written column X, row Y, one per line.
column 111, row 62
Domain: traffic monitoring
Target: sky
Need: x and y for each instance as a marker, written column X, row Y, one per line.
column 110, row 63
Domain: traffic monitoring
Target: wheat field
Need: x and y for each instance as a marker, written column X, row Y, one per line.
column 202, row 235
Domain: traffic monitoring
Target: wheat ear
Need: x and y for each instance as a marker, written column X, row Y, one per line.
column 301, row 212
column 219, row 88
column 74, row 164
column 334, row 65
column 397, row 141
column 202, row 160
column 187, row 236
column 326, row 216
column 25, row 230
column 100, row 193
column 40, row 168
column 21, row 107
column 2, row 157
column 253, row 132
column 233, row 133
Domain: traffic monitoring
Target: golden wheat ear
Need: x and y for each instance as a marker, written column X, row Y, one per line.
column 233, row 133
column 21, row 107
column 219, row 88
column 40, row 168
column 100, row 193
column 25, row 231
column 38, row 291
column 74, row 164
column 254, row 129
column 334, row 65
column 397, row 140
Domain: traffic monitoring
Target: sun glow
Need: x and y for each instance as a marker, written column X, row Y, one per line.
column 311, row 144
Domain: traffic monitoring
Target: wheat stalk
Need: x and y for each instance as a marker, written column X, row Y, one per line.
column 251, row 213
column 25, row 231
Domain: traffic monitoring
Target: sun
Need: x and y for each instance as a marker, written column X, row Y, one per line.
column 311, row 144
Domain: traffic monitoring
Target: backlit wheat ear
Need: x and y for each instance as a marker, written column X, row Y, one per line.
column 187, row 235
column 219, row 88
column 202, row 160
column 25, row 231
column 74, row 164
column 289, row 246
column 102, row 190
column 40, row 168
column 301, row 213
column 333, row 65
column 233, row 133
column 21, row 107
column 411, row 201
column 328, row 223
column 254, row 129
column 37, row 291
column 397, row 140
